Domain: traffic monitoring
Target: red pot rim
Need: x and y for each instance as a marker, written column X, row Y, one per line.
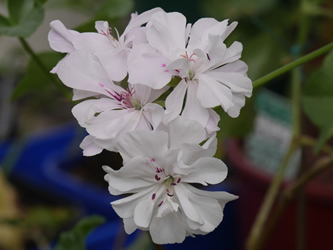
column 316, row 191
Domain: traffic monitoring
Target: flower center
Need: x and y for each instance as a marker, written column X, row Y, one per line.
column 169, row 181
column 114, row 42
column 125, row 98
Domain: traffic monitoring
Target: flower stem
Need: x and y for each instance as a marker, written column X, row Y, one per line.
column 292, row 65
column 255, row 239
column 42, row 66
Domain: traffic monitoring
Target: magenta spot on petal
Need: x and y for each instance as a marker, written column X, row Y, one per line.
column 157, row 178
column 152, row 160
column 153, row 197
column 163, row 65
column 179, row 179
column 166, row 70
column 178, row 71
column 208, row 56
column 173, row 184
column 102, row 85
column 160, row 203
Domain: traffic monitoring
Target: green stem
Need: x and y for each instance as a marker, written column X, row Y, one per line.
column 292, row 65
column 33, row 55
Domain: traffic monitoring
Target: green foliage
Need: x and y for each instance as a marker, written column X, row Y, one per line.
column 110, row 10
column 25, row 16
column 234, row 9
column 317, row 100
column 113, row 9
column 75, row 238
column 35, row 78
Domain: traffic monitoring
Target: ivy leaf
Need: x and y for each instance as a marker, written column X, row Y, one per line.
column 25, row 16
column 317, row 100
column 75, row 238
column 35, row 78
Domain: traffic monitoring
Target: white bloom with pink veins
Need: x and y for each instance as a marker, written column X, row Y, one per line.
column 111, row 51
column 159, row 167
column 211, row 74
column 113, row 110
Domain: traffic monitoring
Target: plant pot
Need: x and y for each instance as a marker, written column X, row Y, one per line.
column 253, row 184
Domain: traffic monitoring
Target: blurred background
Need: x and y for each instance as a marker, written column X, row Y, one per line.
column 46, row 185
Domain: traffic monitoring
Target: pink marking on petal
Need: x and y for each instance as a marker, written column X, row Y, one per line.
column 163, row 65
column 157, row 178
column 160, row 203
column 153, row 197
column 152, row 160
column 166, row 70
column 173, row 184
column 101, row 84
column 179, row 180
column 208, row 56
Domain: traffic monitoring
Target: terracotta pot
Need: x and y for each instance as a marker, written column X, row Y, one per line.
column 253, row 184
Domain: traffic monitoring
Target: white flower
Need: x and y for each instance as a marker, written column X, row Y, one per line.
column 211, row 73
column 159, row 169
column 111, row 51
column 113, row 110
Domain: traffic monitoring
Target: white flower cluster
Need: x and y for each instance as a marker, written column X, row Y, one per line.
column 162, row 147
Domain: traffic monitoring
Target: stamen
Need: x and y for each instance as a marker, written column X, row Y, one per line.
column 173, row 184
column 179, row 180
column 152, row 160
column 208, row 56
column 160, row 203
column 170, row 195
column 157, row 178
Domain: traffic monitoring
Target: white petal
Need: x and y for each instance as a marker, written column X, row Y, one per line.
column 125, row 207
column 138, row 20
column 129, row 225
column 168, row 229
column 60, row 38
column 111, row 123
column 193, row 109
column 193, row 152
column 233, row 53
column 129, row 179
column 86, row 110
column 207, row 170
column 167, row 31
column 143, row 143
column 237, row 82
column 212, row 123
column 89, row 146
column 147, row 67
column 154, row 114
column 174, row 101
column 212, row 93
column 182, row 131
column 115, row 63
column 239, row 102
column 82, row 71
column 186, row 204
column 92, row 42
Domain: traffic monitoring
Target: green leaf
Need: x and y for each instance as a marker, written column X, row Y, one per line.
column 75, row 238
column 4, row 22
column 317, row 100
column 25, row 17
column 113, row 9
column 35, row 78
